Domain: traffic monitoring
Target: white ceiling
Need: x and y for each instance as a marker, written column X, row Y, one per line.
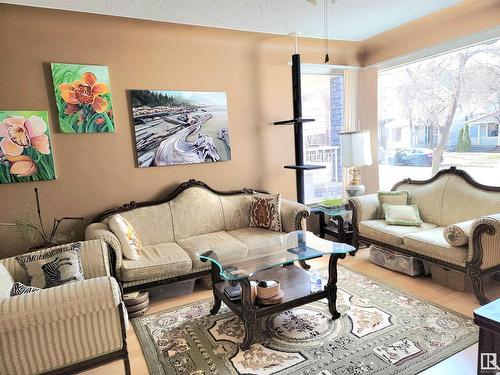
column 348, row 19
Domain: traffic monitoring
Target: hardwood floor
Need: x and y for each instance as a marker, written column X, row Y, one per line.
column 423, row 287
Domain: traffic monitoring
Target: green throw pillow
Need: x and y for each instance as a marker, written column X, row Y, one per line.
column 398, row 197
column 402, row 215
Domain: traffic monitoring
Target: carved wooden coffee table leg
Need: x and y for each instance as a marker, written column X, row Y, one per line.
column 304, row 265
column 215, row 274
column 249, row 313
column 331, row 286
column 216, row 278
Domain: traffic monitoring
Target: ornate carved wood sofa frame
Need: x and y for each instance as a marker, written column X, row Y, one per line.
column 185, row 211
column 449, row 197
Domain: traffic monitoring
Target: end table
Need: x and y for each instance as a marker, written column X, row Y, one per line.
column 487, row 317
column 337, row 227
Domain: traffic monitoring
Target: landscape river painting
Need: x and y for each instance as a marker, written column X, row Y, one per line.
column 180, row 127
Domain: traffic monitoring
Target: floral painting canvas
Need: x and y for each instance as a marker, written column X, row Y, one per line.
column 25, row 149
column 83, row 98
column 180, row 127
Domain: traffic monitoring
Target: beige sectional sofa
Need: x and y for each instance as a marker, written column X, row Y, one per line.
column 450, row 197
column 172, row 230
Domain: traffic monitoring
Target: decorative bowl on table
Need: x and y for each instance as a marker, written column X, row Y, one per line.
column 335, row 203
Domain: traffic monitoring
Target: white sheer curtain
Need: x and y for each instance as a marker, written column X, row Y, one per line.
column 350, row 99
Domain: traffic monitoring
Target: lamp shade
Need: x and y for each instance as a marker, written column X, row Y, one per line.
column 356, row 149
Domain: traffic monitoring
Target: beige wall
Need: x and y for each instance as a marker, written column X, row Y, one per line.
column 368, row 119
column 97, row 171
column 465, row 18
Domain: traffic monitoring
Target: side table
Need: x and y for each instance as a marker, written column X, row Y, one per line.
column 487, row 317
column 337, row 227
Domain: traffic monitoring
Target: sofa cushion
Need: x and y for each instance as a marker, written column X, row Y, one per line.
column 379, row 230
column 402, row 215
column 55, row 267
column 130, row 242
column 226, row 247
column 431, row 243
column 196, row 211
column 167, row 260
column 398, row 197
column 153, row 224
column 458, row 234
column 259, row 241
column 266, row 211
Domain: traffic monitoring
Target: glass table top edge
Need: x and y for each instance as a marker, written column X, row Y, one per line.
column 291, row 247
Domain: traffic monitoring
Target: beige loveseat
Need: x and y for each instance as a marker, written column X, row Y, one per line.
column 67, row 328
column 450, row 197
column 173, row 230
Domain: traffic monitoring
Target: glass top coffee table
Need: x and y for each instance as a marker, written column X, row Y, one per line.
column 273, row 259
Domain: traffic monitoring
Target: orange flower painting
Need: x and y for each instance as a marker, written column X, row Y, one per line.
column 83, row 98
column 25, row 150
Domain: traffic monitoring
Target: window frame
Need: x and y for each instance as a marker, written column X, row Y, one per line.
column 327, row 70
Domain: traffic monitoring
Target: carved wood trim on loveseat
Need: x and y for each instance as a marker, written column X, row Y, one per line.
column 182, row 187
column 472, row 267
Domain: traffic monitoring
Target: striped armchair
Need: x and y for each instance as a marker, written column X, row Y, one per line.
column 68, row 328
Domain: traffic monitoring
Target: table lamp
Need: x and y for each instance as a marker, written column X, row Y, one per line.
column 355, row 153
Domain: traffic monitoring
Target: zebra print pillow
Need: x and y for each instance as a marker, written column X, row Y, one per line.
column 54, row 267
column 20, row 288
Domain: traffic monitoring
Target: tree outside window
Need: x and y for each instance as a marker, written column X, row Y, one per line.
column 439, row 112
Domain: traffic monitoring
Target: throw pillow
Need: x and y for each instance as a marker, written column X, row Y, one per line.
column 55, row 267
column 265, row 211
column 402, row 215
column 20, row 288
column 6, row 282
column 458, row 234
column 398, row 197
column 129, row 239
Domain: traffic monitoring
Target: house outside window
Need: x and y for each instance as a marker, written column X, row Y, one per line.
column 439, row 112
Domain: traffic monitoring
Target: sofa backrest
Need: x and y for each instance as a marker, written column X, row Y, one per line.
column 153, row 223
column 193, row 209
column 236, row 210
column 196, row 211
column 462, row 201
column 451, row 197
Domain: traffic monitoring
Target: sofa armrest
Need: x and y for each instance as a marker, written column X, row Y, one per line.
column 484, row 242
column 60, row 326
column 59, row 303
column 364, row 207
column 293, row 215
column 101, row 232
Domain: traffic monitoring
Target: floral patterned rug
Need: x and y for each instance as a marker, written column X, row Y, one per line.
column 381, row 331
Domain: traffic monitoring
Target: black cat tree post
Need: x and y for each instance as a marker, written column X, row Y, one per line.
column 297, row 122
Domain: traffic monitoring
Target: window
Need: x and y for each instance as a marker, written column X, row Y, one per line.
column 322, row 100
column 439, row 112
column 492, row 130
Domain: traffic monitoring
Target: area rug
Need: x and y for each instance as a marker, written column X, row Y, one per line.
column 381, row 331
